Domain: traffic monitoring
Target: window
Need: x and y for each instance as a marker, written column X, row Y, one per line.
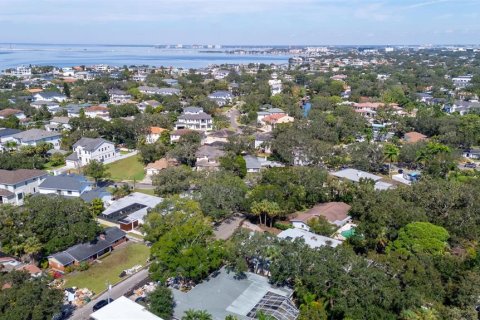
column 69, row 192
column 20, row 196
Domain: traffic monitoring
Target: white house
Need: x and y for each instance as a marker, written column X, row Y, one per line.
column 33, row 137
column 221, row 97
column 462, row 81
column 97, row 112
column 88, row 149
column 70, row 185
column 20, row 71
column 5, row 113
column 15, row 184
column 311, row 239
column 159, row 91
column 49, row 96
column 119, row 96
column 275, row 85
column 58, row 124
column 154, row 134
column 195, row 119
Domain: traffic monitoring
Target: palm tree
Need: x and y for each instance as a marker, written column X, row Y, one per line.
column 197, row 315
column 391, row 153
column 265, row 208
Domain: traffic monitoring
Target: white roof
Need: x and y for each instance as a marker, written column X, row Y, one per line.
column 123, row 309
column 355, row 175
column 133, row 198
column 311, row 239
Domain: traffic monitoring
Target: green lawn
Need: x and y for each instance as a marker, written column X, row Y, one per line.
column 127, row 169
column 150, row 192
column 109, row 270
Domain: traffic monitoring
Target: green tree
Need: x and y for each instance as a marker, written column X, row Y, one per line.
column 391, row 153
column 266, row 209
column 222, row 194
column 235, row 164
column 16, row 299
column 173, row 180
column 96, row 207
column 96, row 170
column 197, row 315
column 66, row 89
column 183, row 242
column 161, row 303
column 321, row 226
column 421, row 237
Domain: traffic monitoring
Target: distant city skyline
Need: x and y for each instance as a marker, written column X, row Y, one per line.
column 248, row 22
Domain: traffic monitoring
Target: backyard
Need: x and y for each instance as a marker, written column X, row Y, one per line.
column 96, row 277
column 126, row 169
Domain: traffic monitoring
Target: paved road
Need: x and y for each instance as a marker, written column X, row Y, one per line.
column 117, row 291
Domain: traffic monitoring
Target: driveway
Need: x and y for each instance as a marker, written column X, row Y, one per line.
column 226, row 229
column 116, row 292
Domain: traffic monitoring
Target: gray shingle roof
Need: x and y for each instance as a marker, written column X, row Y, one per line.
column 65, row 182
column 89, row 196
column 35, row 135
column 252, row 162
column 8, row 132
column 199, row 116
column 11, row 177
column 90, row 144
column 83, row 251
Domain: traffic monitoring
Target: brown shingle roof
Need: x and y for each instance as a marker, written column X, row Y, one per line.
column 8, row 112
column 12, row 177
column 332, row 211
column 413, row 137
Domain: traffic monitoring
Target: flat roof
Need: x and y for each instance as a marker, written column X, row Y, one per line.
column 123, row 309
column 355, row 175
column 133, row 207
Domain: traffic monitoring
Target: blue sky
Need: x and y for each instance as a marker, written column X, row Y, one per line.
column 241, row 21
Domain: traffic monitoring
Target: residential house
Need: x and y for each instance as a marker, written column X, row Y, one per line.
column 98, row 193
column 159, row 91
column 6, row 135
column 33, row 137
column 86, row 150
column 85, row 75
column 218, row 137
column 414, row 137
column 58, row 124
column 119, row 96
column 275, row 85
column 424, row 97
column 462, row 82
column 159, row 165
column 123, row 308
column 20, row 72
column 252, row 163
column 49, row 96
column 195, row 119
column 73, row 110
column 139, row 77
column 144, row 104
column 52, row 106
column 355, row 175
column 97, row 112
column 246, row 297
column 221, row 97
column 271, row 121
column 311, row 239
column 263, row 142
column 335, row 213
column 128, row 212
column 88, row 252
column 154, row 134
column 70, row 185
column 208, row 158
column 463, row 107
column 5, row 113
column 171, row 82
column 268, row 110
column 472, row 153
column 16, row 184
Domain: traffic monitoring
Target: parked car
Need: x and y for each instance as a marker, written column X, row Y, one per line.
column 67, row 311
column 102, row 303
column 470, row 165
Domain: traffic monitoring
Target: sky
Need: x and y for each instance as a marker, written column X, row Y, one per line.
column 229, row 22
